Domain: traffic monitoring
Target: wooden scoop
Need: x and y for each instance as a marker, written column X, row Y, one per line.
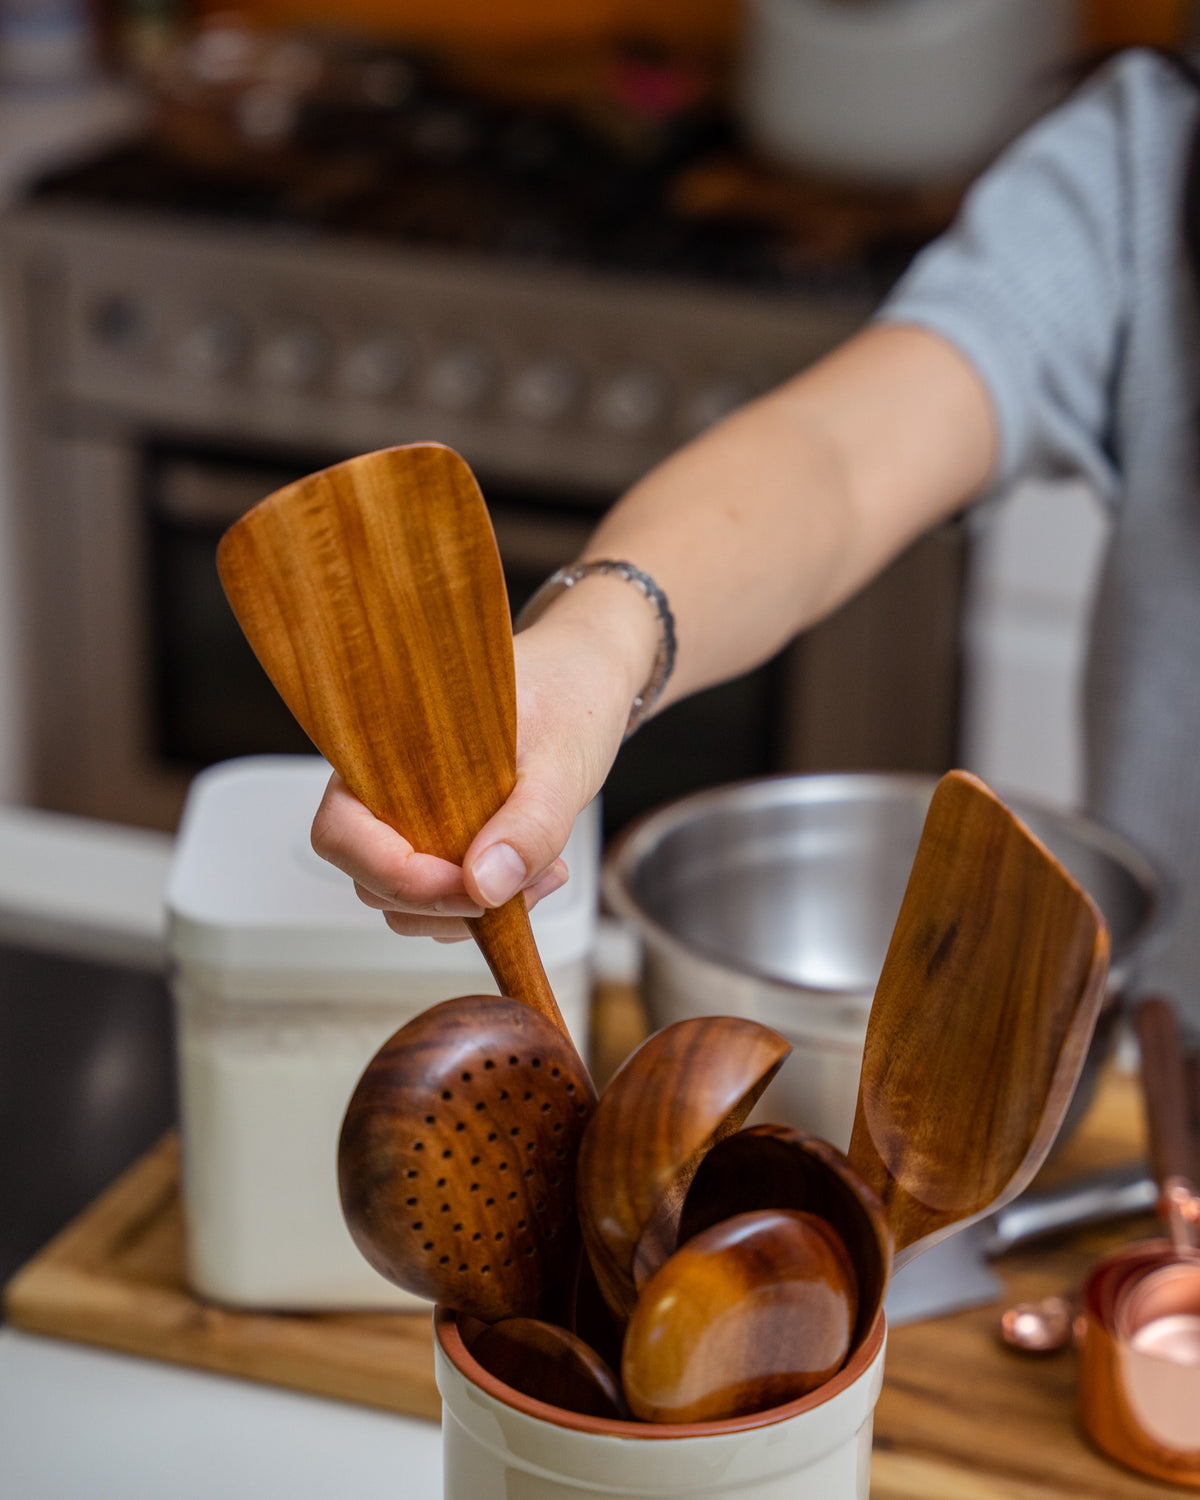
column 456, row 1163
column 373, row 595
column 685, row 1088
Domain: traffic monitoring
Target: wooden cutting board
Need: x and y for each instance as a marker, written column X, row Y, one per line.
column 960, row 1417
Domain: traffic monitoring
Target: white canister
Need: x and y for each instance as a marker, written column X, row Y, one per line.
column 286, row 985
column 498, row 1444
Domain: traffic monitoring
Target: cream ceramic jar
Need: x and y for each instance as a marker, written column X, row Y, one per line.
column 500, row 1445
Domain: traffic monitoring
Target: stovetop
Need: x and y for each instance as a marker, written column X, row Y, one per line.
column 668, row 191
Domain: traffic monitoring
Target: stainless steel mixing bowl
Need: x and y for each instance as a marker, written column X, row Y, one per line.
column 776, row 899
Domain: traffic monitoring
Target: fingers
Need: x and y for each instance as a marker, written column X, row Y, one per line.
column 388, row 875
column 519, row 848
column 418, row 894
column 443, row 930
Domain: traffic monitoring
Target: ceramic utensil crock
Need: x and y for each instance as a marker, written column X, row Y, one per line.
column 501, row 1445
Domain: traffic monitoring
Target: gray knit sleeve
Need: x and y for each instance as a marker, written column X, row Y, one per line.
column 1033, row 282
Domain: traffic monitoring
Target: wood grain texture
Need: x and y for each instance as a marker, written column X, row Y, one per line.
column 372, row 593
column 456, row 1162
column 756, row 1311
column 981, row 1020
column 685, row 1088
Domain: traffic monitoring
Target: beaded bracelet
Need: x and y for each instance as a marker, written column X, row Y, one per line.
column 664, row 658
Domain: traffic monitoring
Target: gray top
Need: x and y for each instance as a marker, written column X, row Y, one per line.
column 1065, row 283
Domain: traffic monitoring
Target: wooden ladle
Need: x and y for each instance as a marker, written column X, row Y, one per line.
column 686, row 1087
column 373, row 595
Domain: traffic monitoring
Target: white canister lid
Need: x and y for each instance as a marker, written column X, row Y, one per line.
column 247, row 893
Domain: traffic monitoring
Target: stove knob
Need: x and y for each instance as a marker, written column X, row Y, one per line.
column 460, row 379
column 295, row 358
column 214, row 347
column 633, row 400
column 713, row 402
column 122, row 322
column 375, row 367
column 545, row 390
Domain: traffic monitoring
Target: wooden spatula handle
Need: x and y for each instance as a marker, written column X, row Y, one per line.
column 505, row 938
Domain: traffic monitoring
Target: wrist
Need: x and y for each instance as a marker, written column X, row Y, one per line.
column 624, row 602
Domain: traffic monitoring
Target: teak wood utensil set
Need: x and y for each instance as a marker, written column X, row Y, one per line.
column 729, row 1270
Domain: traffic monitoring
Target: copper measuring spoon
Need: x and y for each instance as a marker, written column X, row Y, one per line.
column 373, row 595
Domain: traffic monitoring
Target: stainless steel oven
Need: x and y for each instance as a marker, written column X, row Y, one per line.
column 169, row 372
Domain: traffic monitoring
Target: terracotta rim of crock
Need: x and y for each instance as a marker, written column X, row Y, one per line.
column 445, row 1325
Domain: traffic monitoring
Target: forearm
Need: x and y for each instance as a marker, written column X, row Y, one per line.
column 771, row 520
column 752, row 532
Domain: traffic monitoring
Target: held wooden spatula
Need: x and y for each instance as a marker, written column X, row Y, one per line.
column 372, row 594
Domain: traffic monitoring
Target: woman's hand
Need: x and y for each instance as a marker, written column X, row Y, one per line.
column 573, row 670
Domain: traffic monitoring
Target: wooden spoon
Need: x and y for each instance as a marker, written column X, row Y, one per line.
column 550, row 1364
column 373, row 595
column 755, row 1311
column 685, row 1088
column 457, row 1154
column 779, row 1167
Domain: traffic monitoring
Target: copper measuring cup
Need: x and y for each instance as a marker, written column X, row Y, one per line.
column 1139, row 1387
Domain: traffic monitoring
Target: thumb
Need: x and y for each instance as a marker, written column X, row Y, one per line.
column 520, row 843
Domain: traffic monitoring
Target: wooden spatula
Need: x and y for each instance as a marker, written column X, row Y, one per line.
column 373, row 595
column 980, row 1023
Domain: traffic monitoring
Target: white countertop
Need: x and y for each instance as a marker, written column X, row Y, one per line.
column 84, row 1424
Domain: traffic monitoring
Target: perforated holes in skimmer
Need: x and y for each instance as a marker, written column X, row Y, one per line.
column 490, row 1180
